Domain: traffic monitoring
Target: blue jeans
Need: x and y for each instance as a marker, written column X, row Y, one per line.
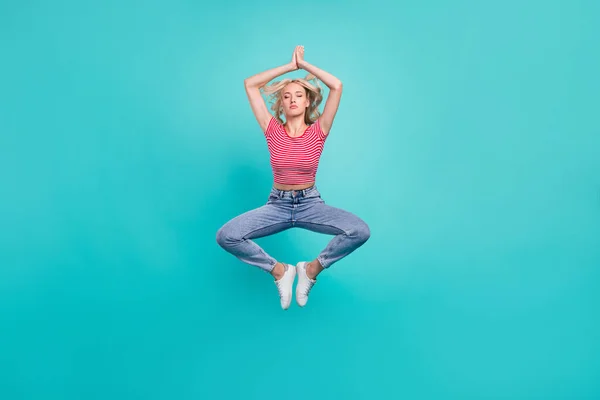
column 288, row 209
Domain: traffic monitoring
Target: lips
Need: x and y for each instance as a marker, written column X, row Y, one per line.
column 293, row 106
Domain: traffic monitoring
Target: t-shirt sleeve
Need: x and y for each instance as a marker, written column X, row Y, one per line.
column 320, row 132
column 270, row 127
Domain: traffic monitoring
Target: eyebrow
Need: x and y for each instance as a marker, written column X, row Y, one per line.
column 297, row 91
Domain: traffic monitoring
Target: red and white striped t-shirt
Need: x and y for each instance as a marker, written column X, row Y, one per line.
column 294, row 160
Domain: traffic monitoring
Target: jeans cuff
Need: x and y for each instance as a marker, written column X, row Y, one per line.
column 324, row 264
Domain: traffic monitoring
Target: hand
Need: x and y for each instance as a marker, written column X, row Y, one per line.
column 294, row 62
column 299, row 56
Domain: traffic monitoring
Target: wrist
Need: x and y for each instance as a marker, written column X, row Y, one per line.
column 292, row 66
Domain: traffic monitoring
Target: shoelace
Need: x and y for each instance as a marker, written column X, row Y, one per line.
column 278, row 284
column 307, row 288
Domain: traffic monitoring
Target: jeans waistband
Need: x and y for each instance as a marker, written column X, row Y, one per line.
column 293, row 193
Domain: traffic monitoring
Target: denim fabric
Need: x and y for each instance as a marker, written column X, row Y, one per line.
column 288, row 209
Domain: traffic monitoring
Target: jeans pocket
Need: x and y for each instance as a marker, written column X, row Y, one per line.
column 314, row 198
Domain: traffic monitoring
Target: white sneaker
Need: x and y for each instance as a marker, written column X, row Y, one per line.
column 304, row 284
column 284, row 285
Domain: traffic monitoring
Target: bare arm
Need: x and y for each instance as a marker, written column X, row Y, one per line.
column 335, row 91
column 252, row 85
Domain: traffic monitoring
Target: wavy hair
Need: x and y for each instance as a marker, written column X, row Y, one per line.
column 313, row 91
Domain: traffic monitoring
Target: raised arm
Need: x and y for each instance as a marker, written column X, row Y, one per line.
column 253, row 83
column 335, row 90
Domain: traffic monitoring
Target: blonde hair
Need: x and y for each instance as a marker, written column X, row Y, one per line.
column 313, row 91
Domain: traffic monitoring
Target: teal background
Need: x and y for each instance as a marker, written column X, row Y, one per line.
column 467, row 138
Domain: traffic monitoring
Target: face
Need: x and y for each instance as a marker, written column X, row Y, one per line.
column 294, row 100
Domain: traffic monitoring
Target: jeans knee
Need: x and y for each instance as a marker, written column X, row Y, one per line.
column 222, row 237
column 363, row 233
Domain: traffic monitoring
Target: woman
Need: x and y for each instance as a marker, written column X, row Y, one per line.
column 295, row 148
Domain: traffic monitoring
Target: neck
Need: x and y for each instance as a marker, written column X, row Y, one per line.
column 295, row 125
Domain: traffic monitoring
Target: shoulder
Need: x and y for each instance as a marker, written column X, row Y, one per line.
column 272, row 126
column 318, row 129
